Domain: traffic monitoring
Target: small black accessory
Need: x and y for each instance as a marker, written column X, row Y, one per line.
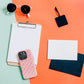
column 61, row 20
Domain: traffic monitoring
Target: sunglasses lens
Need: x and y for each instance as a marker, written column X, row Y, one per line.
column 11, row 7
column 25, row 9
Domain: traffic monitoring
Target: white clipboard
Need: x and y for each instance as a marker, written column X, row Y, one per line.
column 24, row 36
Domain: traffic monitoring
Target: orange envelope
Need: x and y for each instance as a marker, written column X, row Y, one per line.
column 43, row 13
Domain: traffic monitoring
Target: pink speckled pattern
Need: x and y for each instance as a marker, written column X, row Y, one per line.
column 28, row 67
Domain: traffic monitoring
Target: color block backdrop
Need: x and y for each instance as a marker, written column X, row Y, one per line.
column 8, row 74
column 43, row 13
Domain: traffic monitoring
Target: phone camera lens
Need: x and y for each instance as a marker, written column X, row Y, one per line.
column 22, row 55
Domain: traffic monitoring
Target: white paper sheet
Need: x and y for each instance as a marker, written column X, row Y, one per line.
column 24, row 38
column 62, row 49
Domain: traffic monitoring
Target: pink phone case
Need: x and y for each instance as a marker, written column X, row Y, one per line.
column 27, row 65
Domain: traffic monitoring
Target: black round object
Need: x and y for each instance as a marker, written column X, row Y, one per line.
column 11, row 7
column 22, row 55
column 25, row 9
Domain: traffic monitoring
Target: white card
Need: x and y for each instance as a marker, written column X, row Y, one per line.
column 62, row 49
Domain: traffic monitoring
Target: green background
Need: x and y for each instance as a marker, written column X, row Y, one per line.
column 8, row 74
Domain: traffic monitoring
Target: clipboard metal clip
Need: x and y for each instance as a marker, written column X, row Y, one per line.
column 26, row 25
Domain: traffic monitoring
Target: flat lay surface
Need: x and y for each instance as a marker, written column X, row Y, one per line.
column 43, row 12
column 8, row 74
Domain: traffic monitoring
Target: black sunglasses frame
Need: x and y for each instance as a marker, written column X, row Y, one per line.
column 25, row 9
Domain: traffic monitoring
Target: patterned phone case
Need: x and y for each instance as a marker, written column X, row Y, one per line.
column 27, row 65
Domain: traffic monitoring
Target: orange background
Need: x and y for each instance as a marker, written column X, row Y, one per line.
column 43, row 13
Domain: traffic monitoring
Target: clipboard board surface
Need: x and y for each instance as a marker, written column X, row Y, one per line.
column 24, row 36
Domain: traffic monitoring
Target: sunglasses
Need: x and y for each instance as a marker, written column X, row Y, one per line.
column 25, row 9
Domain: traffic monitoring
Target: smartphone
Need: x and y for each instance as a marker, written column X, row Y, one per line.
column 27, row 64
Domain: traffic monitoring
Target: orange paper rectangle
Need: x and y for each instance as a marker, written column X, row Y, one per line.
column 43, row 13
